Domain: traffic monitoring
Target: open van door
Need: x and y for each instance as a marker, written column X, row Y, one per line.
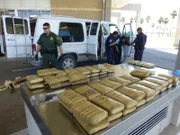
column 17, row 36
column 92, row 41
column 128, row 33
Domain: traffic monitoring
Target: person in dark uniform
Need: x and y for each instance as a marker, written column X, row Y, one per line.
column 118, row 49
column 110, row 47
column 139, row 44
column 48, row 44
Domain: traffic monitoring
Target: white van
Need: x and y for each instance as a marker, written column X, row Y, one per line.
column 83, row 39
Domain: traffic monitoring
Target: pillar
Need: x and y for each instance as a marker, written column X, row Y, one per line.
column 107, row 10
column 178, row 57
column 176, row 41
column 138, row 18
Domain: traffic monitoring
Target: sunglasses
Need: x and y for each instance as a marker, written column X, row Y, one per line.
column 45, row 28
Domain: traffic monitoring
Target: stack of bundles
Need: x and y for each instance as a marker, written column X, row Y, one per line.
column 103, row 70
column 169, row 80
column 129, row 103
column 134, row 94
column 140, row 73
column 151, row 85
column 101, row 88
column 94, row 71
column 113, row 107
column 87, row 92
column 149, row 93
column 57, row 81
column 69, row 98
column 123, row 82
column 109, row 67
column 71, row 71
column 77, row 78
column 61, row 73
column 84, row 71
column 141, row 64
column 130, row 78
column 47, row 72
column 163, row 83
column 34, row 82
column 111, row 84
column 175, row 79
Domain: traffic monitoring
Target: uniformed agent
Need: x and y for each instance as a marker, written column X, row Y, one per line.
column 139, row 44
column 48, row 44
column 110, row 47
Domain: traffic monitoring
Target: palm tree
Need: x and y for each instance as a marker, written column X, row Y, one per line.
column 123, row 20
column 173, row 15
column 165, row 21
column 148, row 18
column 160, row 21
column 142, row 20
column 131, row 20
column 152, row 25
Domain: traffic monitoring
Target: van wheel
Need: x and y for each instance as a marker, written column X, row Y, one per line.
column 67, row 62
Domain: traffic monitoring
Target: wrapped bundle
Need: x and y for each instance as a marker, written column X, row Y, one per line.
column 175, row 79
column 148, row 91
column 61, row 73
column 83, row 70
column 92, row 69
column 89, row 113
column 141, row 64
column 140, row 73
column 169, row 80
column 60, row 85
column 108, row 104
column 149, row 98
column 69, row 98
column 100, row 88
column 130, row 78
column 141, row 102
column 157, row 81
column 123, row 82
column 46, row 72
column 51, row 80
column 132, row 93
column 94, row 74
column 101, row 68
column 35, row 85
column 127, row 101
column 112, row 117
column 128, row 111
column 32, row 79
column 109, row 67
column 71, row 71
column 76, row 77
column 80, row 82
column 87, row 91
column 111, row 84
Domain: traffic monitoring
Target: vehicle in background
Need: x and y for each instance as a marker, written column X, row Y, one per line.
column 83, row 39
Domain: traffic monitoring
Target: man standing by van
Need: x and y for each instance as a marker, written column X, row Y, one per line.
column 47, row 44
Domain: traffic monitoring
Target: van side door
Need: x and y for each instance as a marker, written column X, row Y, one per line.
column 92, row 40
column 128, row 33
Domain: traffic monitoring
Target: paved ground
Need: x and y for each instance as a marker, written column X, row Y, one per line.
column 12, row 117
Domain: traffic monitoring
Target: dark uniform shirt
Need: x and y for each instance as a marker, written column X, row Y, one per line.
column 140, row 41
column 49, row 42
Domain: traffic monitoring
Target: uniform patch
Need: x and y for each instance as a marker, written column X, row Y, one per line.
column 51, row 38
column 58, row 38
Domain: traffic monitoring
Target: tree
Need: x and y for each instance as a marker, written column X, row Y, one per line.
column 152, row 25
column 142, row 20
column 173, row 15
column 131, row 20
column 148, row 18
column 123, row 20
column 160, row 21
column 165, row 21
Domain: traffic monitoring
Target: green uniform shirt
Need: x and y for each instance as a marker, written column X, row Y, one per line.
column 49, row 42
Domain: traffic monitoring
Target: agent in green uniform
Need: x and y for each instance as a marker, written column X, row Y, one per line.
column 48, row 44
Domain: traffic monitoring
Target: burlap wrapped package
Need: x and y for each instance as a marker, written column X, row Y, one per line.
column 61, row 73
column 80, row 82
column 75, row 77
column 92, row 69
column 130, row 78
column 100, row 88
column 83, row 70
column 132, row 93
column 114, row 116
column 123, row 82
column 157, row 81
column 34, row 79
column 141, row 102
column 71, row 71
column 94, row 74
column 149, row 98
column 169, row 80
column 87, row 91
column 46, row 72
column 51, row 80
column 69, row 98
column 128, row 111
column 175, row 79
column 89, row 113
column 108, row 104
column 148, row 91
column 140, row 73
column 109, row 67
column 60, row 85
column 35, row 85
column 101, row 68
column 127, row 101
column 110, row 84
column 147, row 65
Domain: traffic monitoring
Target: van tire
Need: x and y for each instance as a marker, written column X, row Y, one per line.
column 67, row 62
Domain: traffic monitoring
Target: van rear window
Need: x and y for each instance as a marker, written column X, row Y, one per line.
column 71, row 32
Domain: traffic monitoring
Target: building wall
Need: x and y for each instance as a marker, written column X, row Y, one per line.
column 90, row 9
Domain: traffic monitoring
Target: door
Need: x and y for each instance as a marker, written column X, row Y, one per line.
column 17, row 37
column 92, row 41
column 127, row 32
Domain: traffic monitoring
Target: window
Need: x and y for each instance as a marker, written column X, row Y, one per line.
column 113, row 28
column 105, row 29
column 126, row 30
column 18, row 24
column 71, row 32
column 94, row 28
